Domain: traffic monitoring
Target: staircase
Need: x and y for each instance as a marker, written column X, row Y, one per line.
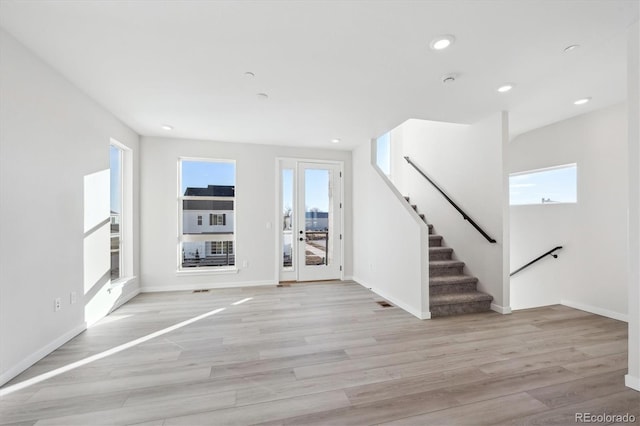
column 451, row 291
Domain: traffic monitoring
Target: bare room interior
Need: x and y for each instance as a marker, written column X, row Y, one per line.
column 319, row 212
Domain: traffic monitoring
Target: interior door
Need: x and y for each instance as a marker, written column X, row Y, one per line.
column 318, row 223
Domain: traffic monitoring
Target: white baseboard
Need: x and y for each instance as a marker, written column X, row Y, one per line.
column 40, row 353
column 348, row 278
column 505, row 310
column 130, row 290
column 204, row 286
column 595, row 310
column 415, row 312
column 632, row 382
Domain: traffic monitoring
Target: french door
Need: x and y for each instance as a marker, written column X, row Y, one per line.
column 311, row 218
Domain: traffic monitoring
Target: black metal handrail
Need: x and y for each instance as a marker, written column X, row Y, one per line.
column 455, row 206
column 549, row 253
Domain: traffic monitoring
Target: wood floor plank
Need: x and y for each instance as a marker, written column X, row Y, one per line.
column 151, row 411
column 598, row 365
column 505, row 385
column 580, row 390
column 621, row 403
column 379, row 411
column 263, row 381
column 357, row 364
column 118, row 384
column 61, row 407
column 534, row 362
column 480, row 413
column 414, row 384
column 254, row 394
column 268, row 411
column 249, row 367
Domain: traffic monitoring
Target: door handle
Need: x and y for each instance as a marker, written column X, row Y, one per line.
column 301, row 239
column 301, row 232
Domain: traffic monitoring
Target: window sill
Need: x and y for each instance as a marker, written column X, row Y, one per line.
column 206, row 271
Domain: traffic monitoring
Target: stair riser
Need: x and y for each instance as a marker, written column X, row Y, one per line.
column 439, row 271
column 440, row 255
column 452, row 288
column 459, row 309
column 435, row 242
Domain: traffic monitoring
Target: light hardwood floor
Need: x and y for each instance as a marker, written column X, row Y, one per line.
column 326, row 353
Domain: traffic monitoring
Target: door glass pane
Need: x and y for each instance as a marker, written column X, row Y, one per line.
column 317, row 203
column 287, row 218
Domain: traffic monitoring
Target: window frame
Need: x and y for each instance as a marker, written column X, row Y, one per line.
column 126, row 213
column 203, row 270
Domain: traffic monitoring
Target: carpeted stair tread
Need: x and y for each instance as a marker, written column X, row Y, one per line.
column 459, row 298
column 452, row 279
column 446, row 264
column 440, row 250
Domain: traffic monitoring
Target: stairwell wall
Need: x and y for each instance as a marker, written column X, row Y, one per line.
column 390, row 253
column 590, row 272
column 467, row 162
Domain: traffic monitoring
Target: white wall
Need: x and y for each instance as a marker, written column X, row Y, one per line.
column 255, row 211
column 590, row 272
column 633, row 76
column 467, row 162
column 52, row 136
column 390, row 241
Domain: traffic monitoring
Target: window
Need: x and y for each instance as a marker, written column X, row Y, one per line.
column 217, row 219
column 544, row 186
column 383, row 153
column 121, row 206
column 207, row 189
column 115, row 172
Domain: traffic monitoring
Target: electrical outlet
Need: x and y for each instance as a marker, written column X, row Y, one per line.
column 245, row 263
column 57, row 304
column 73, row 297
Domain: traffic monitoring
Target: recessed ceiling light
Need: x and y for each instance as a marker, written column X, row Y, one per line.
column 262, row 96
column 335, row 140
column 572, row 47
column 249, row 74
column 582, row 101
column 167, row 127
column 442, row 42
column 505, row 87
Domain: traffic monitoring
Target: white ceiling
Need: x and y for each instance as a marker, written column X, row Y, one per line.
column 332, row 69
